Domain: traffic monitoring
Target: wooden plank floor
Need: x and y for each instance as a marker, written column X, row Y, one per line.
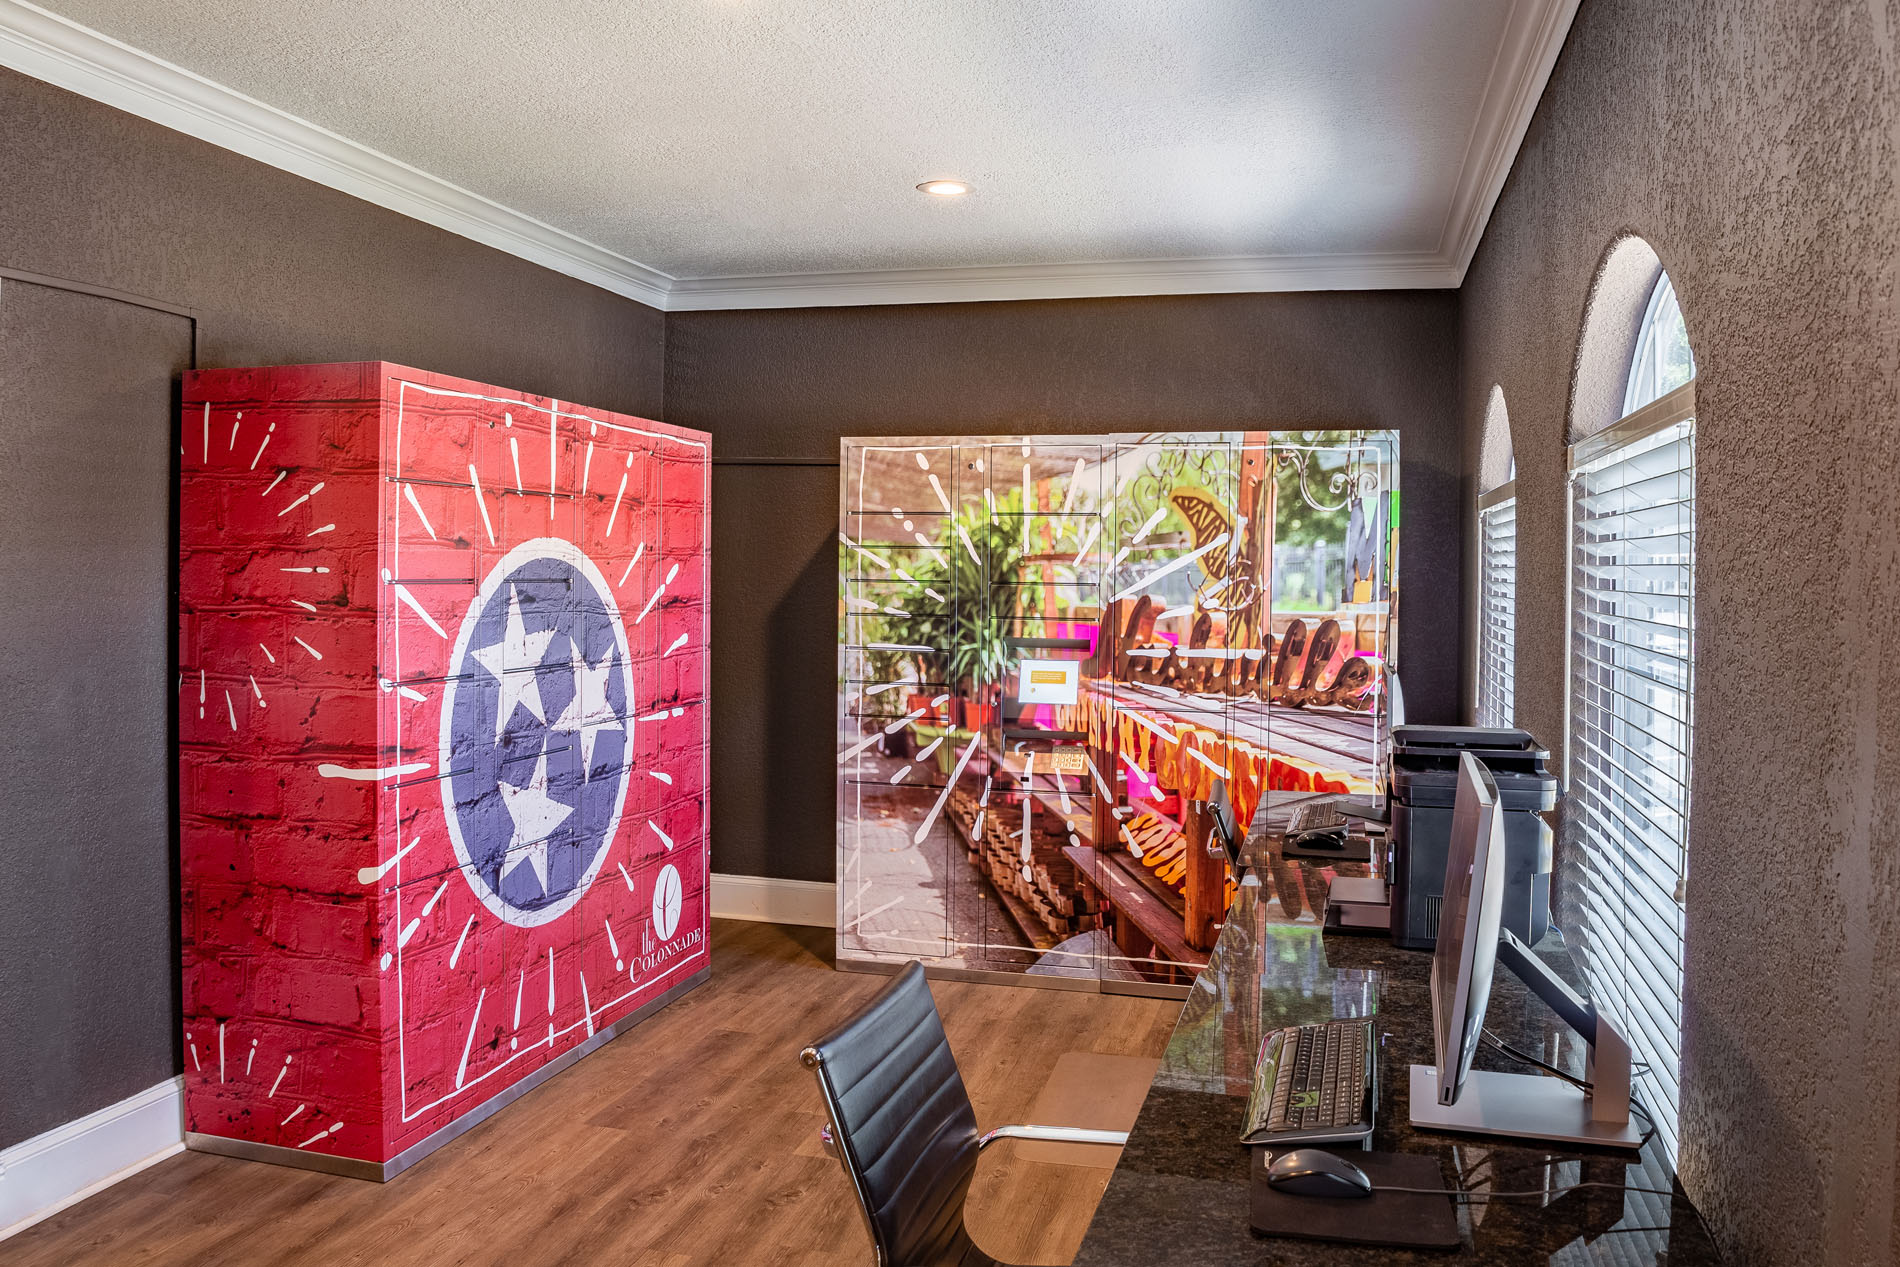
column 691, row 1139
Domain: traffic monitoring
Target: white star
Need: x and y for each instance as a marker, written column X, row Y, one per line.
column 589, row 712
column 521, row 651
column 536, row 815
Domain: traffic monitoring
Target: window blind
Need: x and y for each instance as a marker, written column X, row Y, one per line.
column 1497, row 610
column 1631, row 714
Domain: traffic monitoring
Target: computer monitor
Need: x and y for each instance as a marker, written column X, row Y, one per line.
column 1465, row 956
column 1451, row 1096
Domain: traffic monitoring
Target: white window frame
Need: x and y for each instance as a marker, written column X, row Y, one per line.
column 1611, row 984
column 1497, row 636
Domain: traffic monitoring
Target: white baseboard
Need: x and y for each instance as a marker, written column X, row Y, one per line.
column 758, row 897
column 45, row 1174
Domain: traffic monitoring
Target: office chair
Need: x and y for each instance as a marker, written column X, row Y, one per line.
column 902, row 1124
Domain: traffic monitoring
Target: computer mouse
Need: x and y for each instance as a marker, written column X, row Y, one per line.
column 1314, row 1172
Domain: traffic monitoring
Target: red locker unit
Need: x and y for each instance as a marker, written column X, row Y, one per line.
column 442, row 749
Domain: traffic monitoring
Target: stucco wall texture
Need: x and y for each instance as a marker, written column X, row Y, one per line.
column 1753, row 144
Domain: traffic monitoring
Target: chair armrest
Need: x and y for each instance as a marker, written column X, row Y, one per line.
column 1054, row 1135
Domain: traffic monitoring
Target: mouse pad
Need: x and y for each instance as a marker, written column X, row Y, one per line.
column 1412, row 1219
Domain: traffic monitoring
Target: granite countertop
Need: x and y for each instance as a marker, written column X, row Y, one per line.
column 1180, row 1193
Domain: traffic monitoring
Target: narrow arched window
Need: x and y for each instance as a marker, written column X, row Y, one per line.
column 1497, row 569
column 1632, row 686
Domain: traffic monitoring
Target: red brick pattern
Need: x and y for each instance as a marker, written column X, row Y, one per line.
column 340, row 998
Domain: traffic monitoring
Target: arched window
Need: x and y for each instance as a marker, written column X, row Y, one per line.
column 1631, row 670
column 1497, row 568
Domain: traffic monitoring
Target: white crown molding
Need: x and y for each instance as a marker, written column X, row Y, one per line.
column 1534, row 35
column 46, row 46
column 1229, row 275
column 43, row 1175
column 79, row 59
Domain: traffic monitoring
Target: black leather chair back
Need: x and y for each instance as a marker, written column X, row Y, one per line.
column 903, row 1123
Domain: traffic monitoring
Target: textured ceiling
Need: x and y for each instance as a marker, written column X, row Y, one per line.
column 710, row 138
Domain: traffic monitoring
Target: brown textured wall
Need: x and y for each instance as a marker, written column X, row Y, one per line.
column 1752, row 143
column 278, row 270
column 790, row 383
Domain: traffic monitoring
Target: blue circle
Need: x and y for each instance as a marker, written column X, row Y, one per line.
column 559, row 600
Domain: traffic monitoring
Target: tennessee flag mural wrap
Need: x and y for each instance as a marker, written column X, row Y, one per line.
column 443, row 656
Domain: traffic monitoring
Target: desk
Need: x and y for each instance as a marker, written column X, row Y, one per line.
column 1180, row 1192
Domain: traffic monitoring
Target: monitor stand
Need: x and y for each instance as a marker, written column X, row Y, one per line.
column 1536, row 1106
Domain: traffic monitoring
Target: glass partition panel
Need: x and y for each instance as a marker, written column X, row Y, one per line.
column 1054, row 648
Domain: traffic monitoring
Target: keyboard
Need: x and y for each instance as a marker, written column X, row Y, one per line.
column 1314, row 1084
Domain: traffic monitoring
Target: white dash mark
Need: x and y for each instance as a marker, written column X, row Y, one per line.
column 521, row 985
column 930, row 819
column 937, row 488
column 905, row 720
column 314, row 490
column 876, row 559
column 645, row 611
column 315, row 531
column 409, row 491
column 267, row 654
column 409, row 930
column 554, row 430
column 235, row 424
column 677, row 644
column 457, row 952
column 333, row 1129
column 369, row 774
column 613, row 514
column 662, row 776
column 220, row 1051
column 1075, row 482
column 1095, row 530
column 293, row 1114
column 1101, row 784
column 268, row 431
column 637, row 552
column 461, row 1070
column 296, row 569
column 281, row 1071
column 273, row 484
column 371, row 875
column 550, row 983
column 1168, row 568
column 201, row 694
column 1142, row 532
column 403, row 593
column 410, row 692
column 963, row 534
column 664, row 838
column 931, row 747
column 587, row 465
column 613, row 945
column 315, row 654
column 475, row 482
column 514, row 448
column 587, row 1008
column 250, row 1059
column 923, row 463
column 230, row 710
column 903, row 772
column 1028, row 507
column 1209, row 762
column 625, row 876
column 194, row 1055
column 208, row 439
column 298, row 602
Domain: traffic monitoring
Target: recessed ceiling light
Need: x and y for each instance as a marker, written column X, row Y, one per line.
column 945, row 188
